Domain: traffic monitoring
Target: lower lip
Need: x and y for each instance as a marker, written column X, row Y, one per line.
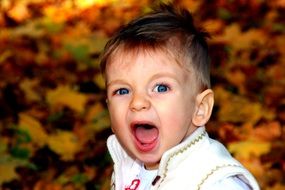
column 146, row 147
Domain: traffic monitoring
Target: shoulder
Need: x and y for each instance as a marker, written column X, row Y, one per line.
column 230, row 183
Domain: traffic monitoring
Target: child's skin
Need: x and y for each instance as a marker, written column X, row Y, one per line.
column 149, row 86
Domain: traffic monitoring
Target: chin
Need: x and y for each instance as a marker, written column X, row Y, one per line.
column 150, row 160
column 151, row 165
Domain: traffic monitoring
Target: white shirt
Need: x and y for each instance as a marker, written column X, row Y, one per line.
column 146, row 177
column 198, row 163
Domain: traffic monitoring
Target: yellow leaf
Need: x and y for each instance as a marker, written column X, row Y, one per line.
column 34, row 128
column 7, row 172
column 65, row 96
column 240, row 110
column 246, row 149
column 94, row 111
column 28, row 87
column 234, row 108
column 241, row 40
column 237, row 78
column 65, row 144
column 99, row 80
column 97, row 118
column 83, row 4
column 61, row 13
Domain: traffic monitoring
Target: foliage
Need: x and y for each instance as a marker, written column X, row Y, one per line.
column 53, row 118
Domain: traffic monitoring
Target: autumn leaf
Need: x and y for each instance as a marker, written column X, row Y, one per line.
column 99, row 80
column 43, row 185
column 19, row 12
column 29, row 29
column 7, row 172
column 65, row 96
column 34, row 128
column 237, row 78
column 234, row 108
column 60, row 14
column 277, row 186
column 98, row 118
column 255, row 166
column 239, row 40
column 266, row 132
column 65, row 144
column 213, row 25
column 28, row 87
column 7, row 168
column 246, row 149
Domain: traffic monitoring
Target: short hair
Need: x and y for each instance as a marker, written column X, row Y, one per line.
column 170, row 28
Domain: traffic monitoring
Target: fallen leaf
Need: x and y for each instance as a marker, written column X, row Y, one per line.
column 34, row 128
column 99, row 80
column 94, row 111
column 277, row 186
column 237, row 78
column 266, row 132
column 213, row 26
column 246, row 149
column 19, row 12
column 255, row 166
column 44, row 185
column 28, row 86
column 239, row 40
column 65, row 144
column 65, row 96
column 7, row 172
column 97, row 118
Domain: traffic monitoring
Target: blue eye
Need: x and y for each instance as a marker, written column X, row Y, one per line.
column 122, row 91
column 161, row 88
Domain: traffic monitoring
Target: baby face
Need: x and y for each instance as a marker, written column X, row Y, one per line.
column 151, row 100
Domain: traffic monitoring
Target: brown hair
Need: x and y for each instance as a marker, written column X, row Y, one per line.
column 166, row 27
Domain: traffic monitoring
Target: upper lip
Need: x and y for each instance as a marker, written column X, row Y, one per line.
column 134, row 124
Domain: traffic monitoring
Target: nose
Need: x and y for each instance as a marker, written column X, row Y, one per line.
column 139, row 102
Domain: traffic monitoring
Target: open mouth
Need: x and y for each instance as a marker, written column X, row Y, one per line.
column 146, row 135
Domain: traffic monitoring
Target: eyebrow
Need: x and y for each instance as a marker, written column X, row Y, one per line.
column 119, row 81
column 165, row 74
column 155, row 76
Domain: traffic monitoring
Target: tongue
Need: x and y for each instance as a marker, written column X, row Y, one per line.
column 146, row 135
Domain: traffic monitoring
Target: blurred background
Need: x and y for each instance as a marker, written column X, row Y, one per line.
column 53, row 119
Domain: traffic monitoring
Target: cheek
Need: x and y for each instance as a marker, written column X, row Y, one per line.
column 176, row 113
column 118, row 114
column 114, row 114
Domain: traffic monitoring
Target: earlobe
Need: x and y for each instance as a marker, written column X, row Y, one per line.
column 204, row 107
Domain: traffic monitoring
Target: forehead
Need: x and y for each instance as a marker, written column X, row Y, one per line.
column 144, row 63
column 126, row 56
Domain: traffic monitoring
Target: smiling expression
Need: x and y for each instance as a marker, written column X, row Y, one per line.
column 151, row 100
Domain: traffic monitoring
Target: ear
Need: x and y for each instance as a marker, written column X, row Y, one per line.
column 203, row 108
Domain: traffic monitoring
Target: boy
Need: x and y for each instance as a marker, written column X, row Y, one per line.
column 159, row 98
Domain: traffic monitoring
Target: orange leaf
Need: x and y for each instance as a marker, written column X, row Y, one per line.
column 267, row 132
